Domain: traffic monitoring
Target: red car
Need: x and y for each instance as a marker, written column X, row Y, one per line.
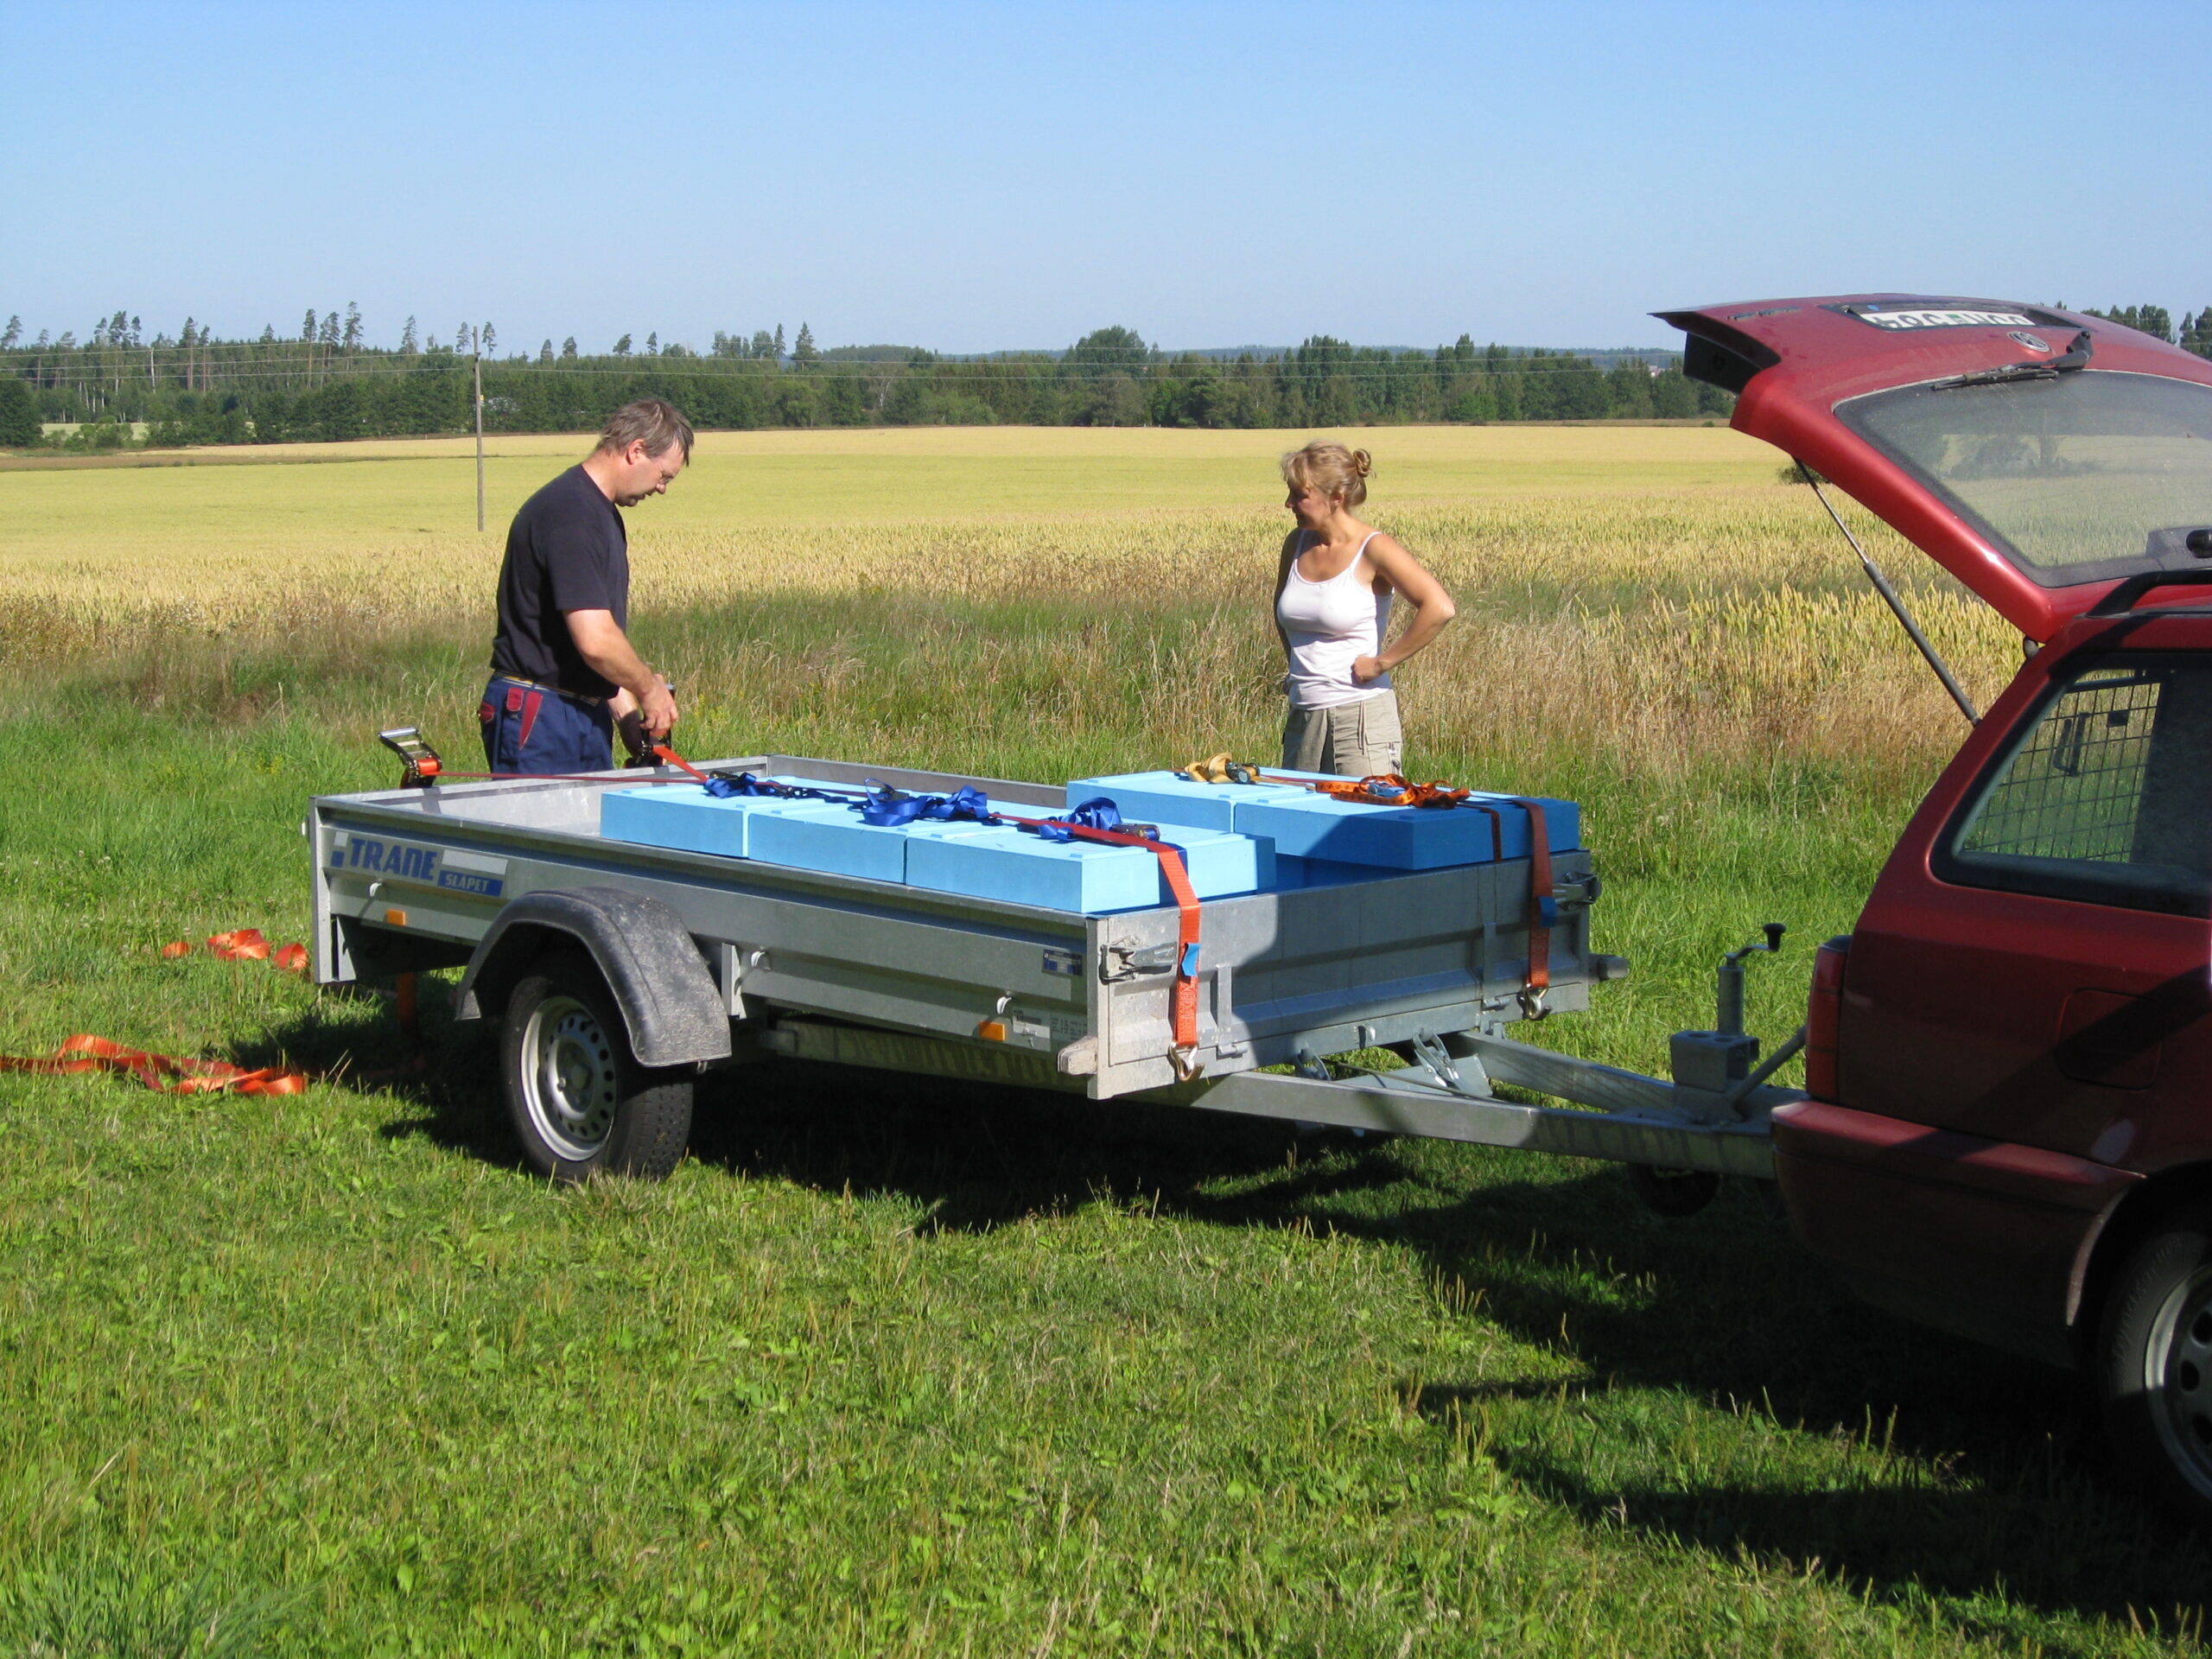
column 2010, row 1058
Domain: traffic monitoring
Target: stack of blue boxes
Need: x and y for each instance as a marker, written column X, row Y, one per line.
column 1233, row 838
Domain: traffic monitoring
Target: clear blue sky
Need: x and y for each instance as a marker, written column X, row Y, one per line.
column 977, row 176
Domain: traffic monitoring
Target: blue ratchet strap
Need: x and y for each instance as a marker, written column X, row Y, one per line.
column 722, row 786
column 888, row 808
column 1100, row 812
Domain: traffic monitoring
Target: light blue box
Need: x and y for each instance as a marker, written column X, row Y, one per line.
column 684, row 817
column 825, row 837
column 1294, row 875
column 1005, row 863
column 1401, row 837
column 1220, row 864
column 1163, row 798
column 1089, row 877
column 1562, row 821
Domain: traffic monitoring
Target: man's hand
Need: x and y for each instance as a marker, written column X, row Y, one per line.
column 658, row 710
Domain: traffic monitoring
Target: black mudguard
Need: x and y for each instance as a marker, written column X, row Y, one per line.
column 669, row 999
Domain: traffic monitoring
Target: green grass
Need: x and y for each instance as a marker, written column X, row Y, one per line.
column 892, row 1367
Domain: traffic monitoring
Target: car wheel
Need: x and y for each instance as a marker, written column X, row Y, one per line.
column 579, row 1103
column 2154, row 1365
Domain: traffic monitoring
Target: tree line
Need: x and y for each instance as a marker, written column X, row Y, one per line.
column 327, row 383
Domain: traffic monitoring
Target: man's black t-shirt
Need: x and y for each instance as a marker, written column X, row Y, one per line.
column 566, row 551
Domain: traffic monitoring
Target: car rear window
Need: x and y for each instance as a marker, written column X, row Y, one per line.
column 2104, row 796
column 2083, row 477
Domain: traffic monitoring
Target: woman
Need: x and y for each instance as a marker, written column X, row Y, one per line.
column 1333, row 609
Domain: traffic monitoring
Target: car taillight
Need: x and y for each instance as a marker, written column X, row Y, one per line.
column 1823, row 1013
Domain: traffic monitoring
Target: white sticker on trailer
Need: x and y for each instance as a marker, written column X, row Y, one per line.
column 401, row 861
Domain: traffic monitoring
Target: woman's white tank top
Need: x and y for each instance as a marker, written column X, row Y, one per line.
column 1329, row 626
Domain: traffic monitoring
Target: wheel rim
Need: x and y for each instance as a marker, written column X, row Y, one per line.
column 568, row 1078
column 2178, row 1375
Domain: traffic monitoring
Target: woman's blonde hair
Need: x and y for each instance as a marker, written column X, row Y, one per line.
column 1337, row 472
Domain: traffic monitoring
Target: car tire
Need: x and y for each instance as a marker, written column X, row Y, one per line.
column 2154, row 1365
column 580, row 1104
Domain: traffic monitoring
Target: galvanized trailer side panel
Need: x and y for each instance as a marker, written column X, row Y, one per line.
column 1323, row 967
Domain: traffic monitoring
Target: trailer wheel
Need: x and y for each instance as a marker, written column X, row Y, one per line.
column 579, row 1103
column 2154, row 1365
column 1673, row 1192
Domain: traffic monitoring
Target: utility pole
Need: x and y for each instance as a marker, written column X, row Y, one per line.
column 476, row 339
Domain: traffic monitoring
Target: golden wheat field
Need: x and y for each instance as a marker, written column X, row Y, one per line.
column 1649, row 592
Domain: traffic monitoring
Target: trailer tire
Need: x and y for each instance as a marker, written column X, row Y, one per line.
column 579, row 1103
column 2154, row 1365
column 1673, row 1192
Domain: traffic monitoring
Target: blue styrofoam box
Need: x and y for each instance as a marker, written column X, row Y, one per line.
column 1305, row 825
column 685, row 818
column 1220, row 862
column 1401, row 837
column 1086, row 876
column 1562, row 822
column 830, row 837
column 1162, row 797
column 1293, row 874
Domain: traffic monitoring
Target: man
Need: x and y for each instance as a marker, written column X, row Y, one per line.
column 562, row 669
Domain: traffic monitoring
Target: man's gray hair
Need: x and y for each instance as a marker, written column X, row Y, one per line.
column 650, row 420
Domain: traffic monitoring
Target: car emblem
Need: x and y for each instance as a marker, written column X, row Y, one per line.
column 2040, row 346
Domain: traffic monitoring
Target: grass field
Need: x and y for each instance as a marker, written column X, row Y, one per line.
column 888, row 1368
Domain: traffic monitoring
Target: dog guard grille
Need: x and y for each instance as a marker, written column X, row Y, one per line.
column 2074, row 789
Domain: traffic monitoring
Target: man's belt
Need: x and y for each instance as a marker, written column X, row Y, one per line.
column 558, row 691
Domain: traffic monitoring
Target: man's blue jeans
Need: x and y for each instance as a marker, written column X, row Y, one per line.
column 527, row 729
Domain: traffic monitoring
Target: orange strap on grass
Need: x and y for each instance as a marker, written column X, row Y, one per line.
column 165, row 1074
column 245, row 944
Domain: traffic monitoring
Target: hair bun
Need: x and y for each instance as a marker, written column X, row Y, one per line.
column 1362, row 463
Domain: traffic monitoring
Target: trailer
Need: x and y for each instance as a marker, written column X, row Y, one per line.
column 621, row 972
column 2006, row 1127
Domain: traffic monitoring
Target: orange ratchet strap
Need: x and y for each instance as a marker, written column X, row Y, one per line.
column 245, row 944
column 1541, row 909
column 1379, row 789
column 675, row 760
column 1383, row 789
column 1183, row 1053
column 165, row 1074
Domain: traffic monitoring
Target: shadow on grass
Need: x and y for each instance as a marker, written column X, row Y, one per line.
column 1723, row 1307
column 447, row 1088
column 2006, row 1496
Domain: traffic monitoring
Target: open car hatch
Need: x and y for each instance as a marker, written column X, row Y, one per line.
column 2040, row 456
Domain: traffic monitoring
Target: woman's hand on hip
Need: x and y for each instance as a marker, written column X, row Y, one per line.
column 1365, row 670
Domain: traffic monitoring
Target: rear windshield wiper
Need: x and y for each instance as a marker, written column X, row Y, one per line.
column 2076, row 356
